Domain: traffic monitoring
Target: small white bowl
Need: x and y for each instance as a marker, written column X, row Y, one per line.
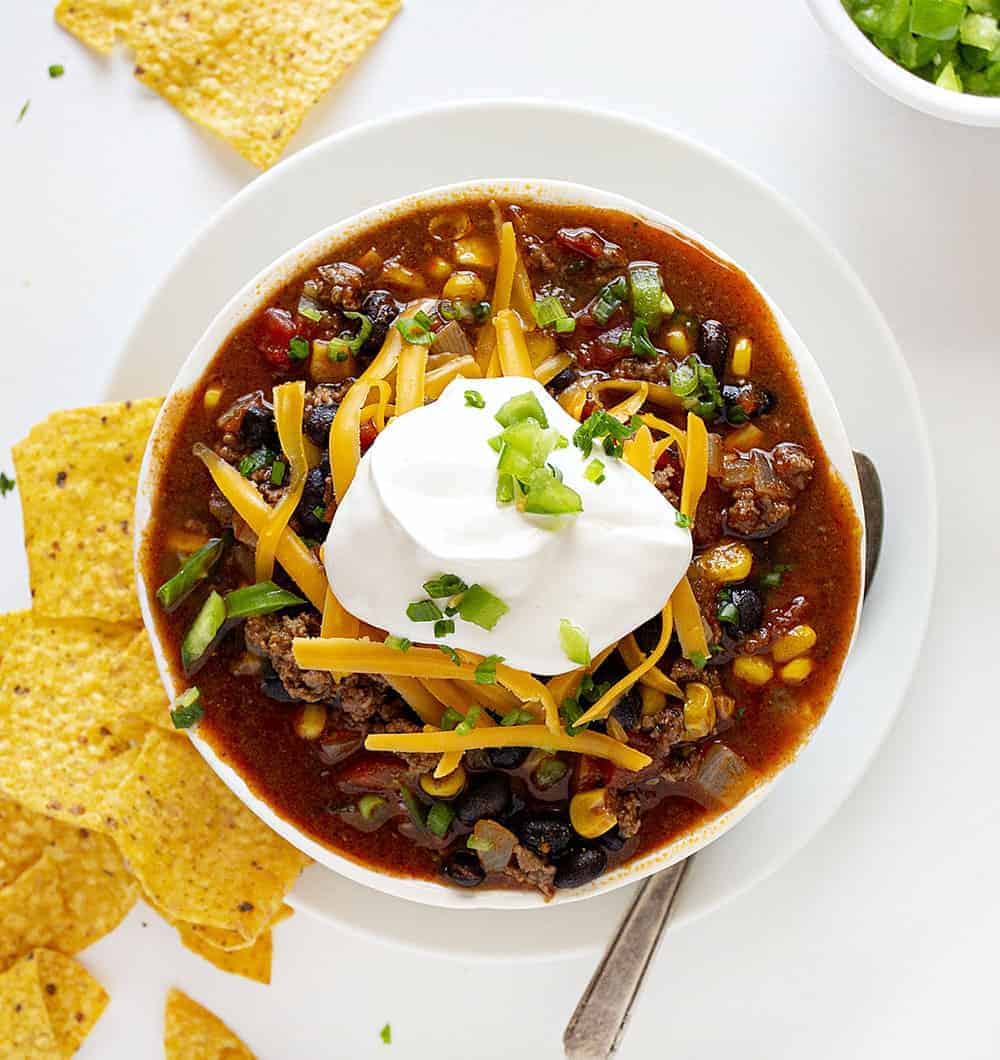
column 243, row 306
column 896, row 80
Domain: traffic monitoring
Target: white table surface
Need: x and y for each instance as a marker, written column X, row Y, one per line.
column 878, row 939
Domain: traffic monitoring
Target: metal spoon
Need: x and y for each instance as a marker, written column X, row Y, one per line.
column 596, row 1028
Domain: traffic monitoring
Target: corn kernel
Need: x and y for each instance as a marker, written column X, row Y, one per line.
column 747, row 437
column 476, row 251
column 444, row 787
column 324, row 369
column 589, row 813
column 464, row 285
column 653, row 700
column 370, row 261
column 212, row 397
column 699, row 710
column 753, row 669
column 438, row 269
column 400, row 276
column 677, row 342
column 726, row 562
column 185, row 541
column 795, row 672
column 310, row 721
column 795, row 642
column 742, row 354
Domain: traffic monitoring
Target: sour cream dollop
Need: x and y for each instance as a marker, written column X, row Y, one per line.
column 423, row 503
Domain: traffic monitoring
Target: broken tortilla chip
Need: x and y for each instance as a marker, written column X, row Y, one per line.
column 199, row 853
column 191, row 1032
column 10, row 625
column 77, row 473
column 252, row 962
column 248, row 72
column 136, row 671
column 48, row 1005
column 67, row 734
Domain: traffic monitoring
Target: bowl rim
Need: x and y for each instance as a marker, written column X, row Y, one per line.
column 896, row 80
column 249, row 299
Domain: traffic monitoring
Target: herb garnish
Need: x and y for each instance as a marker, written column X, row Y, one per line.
column 187, row 710
column 6, row 484
column 399, row 643
column 486, row 671
column 56, row 70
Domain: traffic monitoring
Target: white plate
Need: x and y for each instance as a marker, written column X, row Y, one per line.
column 825, row 303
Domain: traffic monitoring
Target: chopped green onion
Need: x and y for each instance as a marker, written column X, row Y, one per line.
column 450, row 718
column 682, row 520
column 521, row 407
column 193, row 570
column 517, row 716
column 6, row 484
column 386, row 1034
column 772, row 579
column 423, row 611
column 609, row 298
column 444, row 585
column 505, row 487
column 601, row 424
column 439, row 819
column 259, row 458
column 463, row 311
column 414, row 331
column 574, row 642
column 187, row 710
column 298, row 348
column 413, row 806
column 264, row 598
column 474, row 399
column 728, row 613
column 646, row 293
column 486, row 671
column 203, row 631
column 319, row 512
column 423, row 319
column 24, row 110
column 478, row 842
column 550, row 772
column 468, row 723
column 594, row 472
column 451, row 653
column 531, row 441
column 278, row 472
column 547, row 496
column 549, row 312
column 340, row 348
column 399, row 643
column 480, row 607
column 570, row 711
column 698, row 660
column 368, row 804
column 56, row 70
column 443, row 627
column 309, row 309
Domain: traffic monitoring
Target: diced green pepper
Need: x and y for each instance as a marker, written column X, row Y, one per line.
column 203, row 631
column 193, row 570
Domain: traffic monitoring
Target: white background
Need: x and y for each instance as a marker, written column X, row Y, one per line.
column 878, row 939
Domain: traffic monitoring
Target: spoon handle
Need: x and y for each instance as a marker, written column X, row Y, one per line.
column 597, row 1025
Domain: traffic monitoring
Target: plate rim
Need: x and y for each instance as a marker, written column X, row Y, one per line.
column 712, row 157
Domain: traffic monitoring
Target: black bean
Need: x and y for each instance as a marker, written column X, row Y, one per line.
column 559, row 383
column 507, row 757
column 746, row 401
column 628, row 710
column 381, row 309
column 580, row 865
column 317, row 424
column 489, row 797
column 257, row 428
column 713, row 345
column 313, row 498
column 749, row 608
column 462, row 867
column 612, row 841
column 547, row 834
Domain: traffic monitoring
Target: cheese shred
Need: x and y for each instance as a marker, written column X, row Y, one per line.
column 511, row 347
column 695, row 465
column 688, row 621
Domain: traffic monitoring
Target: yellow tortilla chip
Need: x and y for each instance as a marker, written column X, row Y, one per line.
column 67, row 736
column 98, row 23
column 77, row 473
column 64, row 887
column 199, row 853
column 10, row 626
column 73, row 998
column 252, row 962
column 191, row 1032
column 25, row 1028
column 220, row 938
column 136, row 676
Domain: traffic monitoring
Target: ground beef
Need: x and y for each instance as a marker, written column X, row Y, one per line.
column 272, row 635
column 528, row 868
column 627, row 807
column 651, row 371
column 327, row 394
column 418, row 763
column 756, row 513
column 342, row 284
column 666, row 727
column 666, row 480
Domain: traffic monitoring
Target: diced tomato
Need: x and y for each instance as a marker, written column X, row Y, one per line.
column 274, row 332
column 368, row 435
column 590, row 773
column 372, row 771
column 589, row 243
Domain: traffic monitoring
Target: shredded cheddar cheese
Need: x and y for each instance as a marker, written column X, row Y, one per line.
column 438, row 378
column 654, row 677
column 547, row 370
column 506, row 264
column 695, row 465
column 410, row 378
column 688, row 621
column 626, row 409
column 511, row 347
column 426, row 707
column 639, row 454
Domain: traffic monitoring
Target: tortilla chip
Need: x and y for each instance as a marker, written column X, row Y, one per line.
column 77, row 473
column 67, row 734
column 221, row 939
column 63, row 887
column 25, row 1028
column 191, row 1032
column 135, row 676
column 252, row 962
column 73, row 997
column 98, row 23
column 199, row 853
column 10, row 626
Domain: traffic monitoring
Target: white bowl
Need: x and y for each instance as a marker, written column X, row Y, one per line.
column 240, row 308
column 896, row 80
